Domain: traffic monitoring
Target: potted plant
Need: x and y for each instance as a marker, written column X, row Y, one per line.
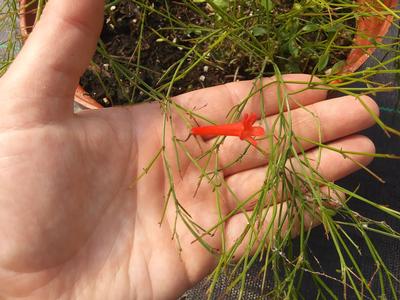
column 370, row 29
column 245, row 38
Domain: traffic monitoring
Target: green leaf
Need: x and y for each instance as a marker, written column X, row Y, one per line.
column 294, row 49
column 338, row 67
column 323, row 61
column 259, row 31
column 223, row 4
column 268, row 4
column 311, row 27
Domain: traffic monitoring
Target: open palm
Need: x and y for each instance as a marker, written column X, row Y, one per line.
column 72, row 225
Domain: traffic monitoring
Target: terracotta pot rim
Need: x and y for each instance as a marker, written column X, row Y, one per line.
column 355, row 59
column 361, row 55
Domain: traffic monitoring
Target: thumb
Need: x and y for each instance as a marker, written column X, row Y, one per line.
column 47, row 70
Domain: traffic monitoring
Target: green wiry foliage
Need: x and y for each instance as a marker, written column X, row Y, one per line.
column 180, row 46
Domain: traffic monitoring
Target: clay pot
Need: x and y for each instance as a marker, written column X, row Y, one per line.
column 368, row 28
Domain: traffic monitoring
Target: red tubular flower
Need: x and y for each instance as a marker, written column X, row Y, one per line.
column 244, row 129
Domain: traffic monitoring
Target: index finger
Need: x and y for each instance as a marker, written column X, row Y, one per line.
column 216, row 102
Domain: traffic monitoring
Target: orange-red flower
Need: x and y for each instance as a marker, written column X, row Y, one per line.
column 243, row 129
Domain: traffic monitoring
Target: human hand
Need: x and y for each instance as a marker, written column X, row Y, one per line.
column 71, row 226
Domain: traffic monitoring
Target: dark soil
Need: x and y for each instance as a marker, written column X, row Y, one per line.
column 129, row 27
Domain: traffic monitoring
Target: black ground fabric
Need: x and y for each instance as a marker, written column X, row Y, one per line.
column 387, row 194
